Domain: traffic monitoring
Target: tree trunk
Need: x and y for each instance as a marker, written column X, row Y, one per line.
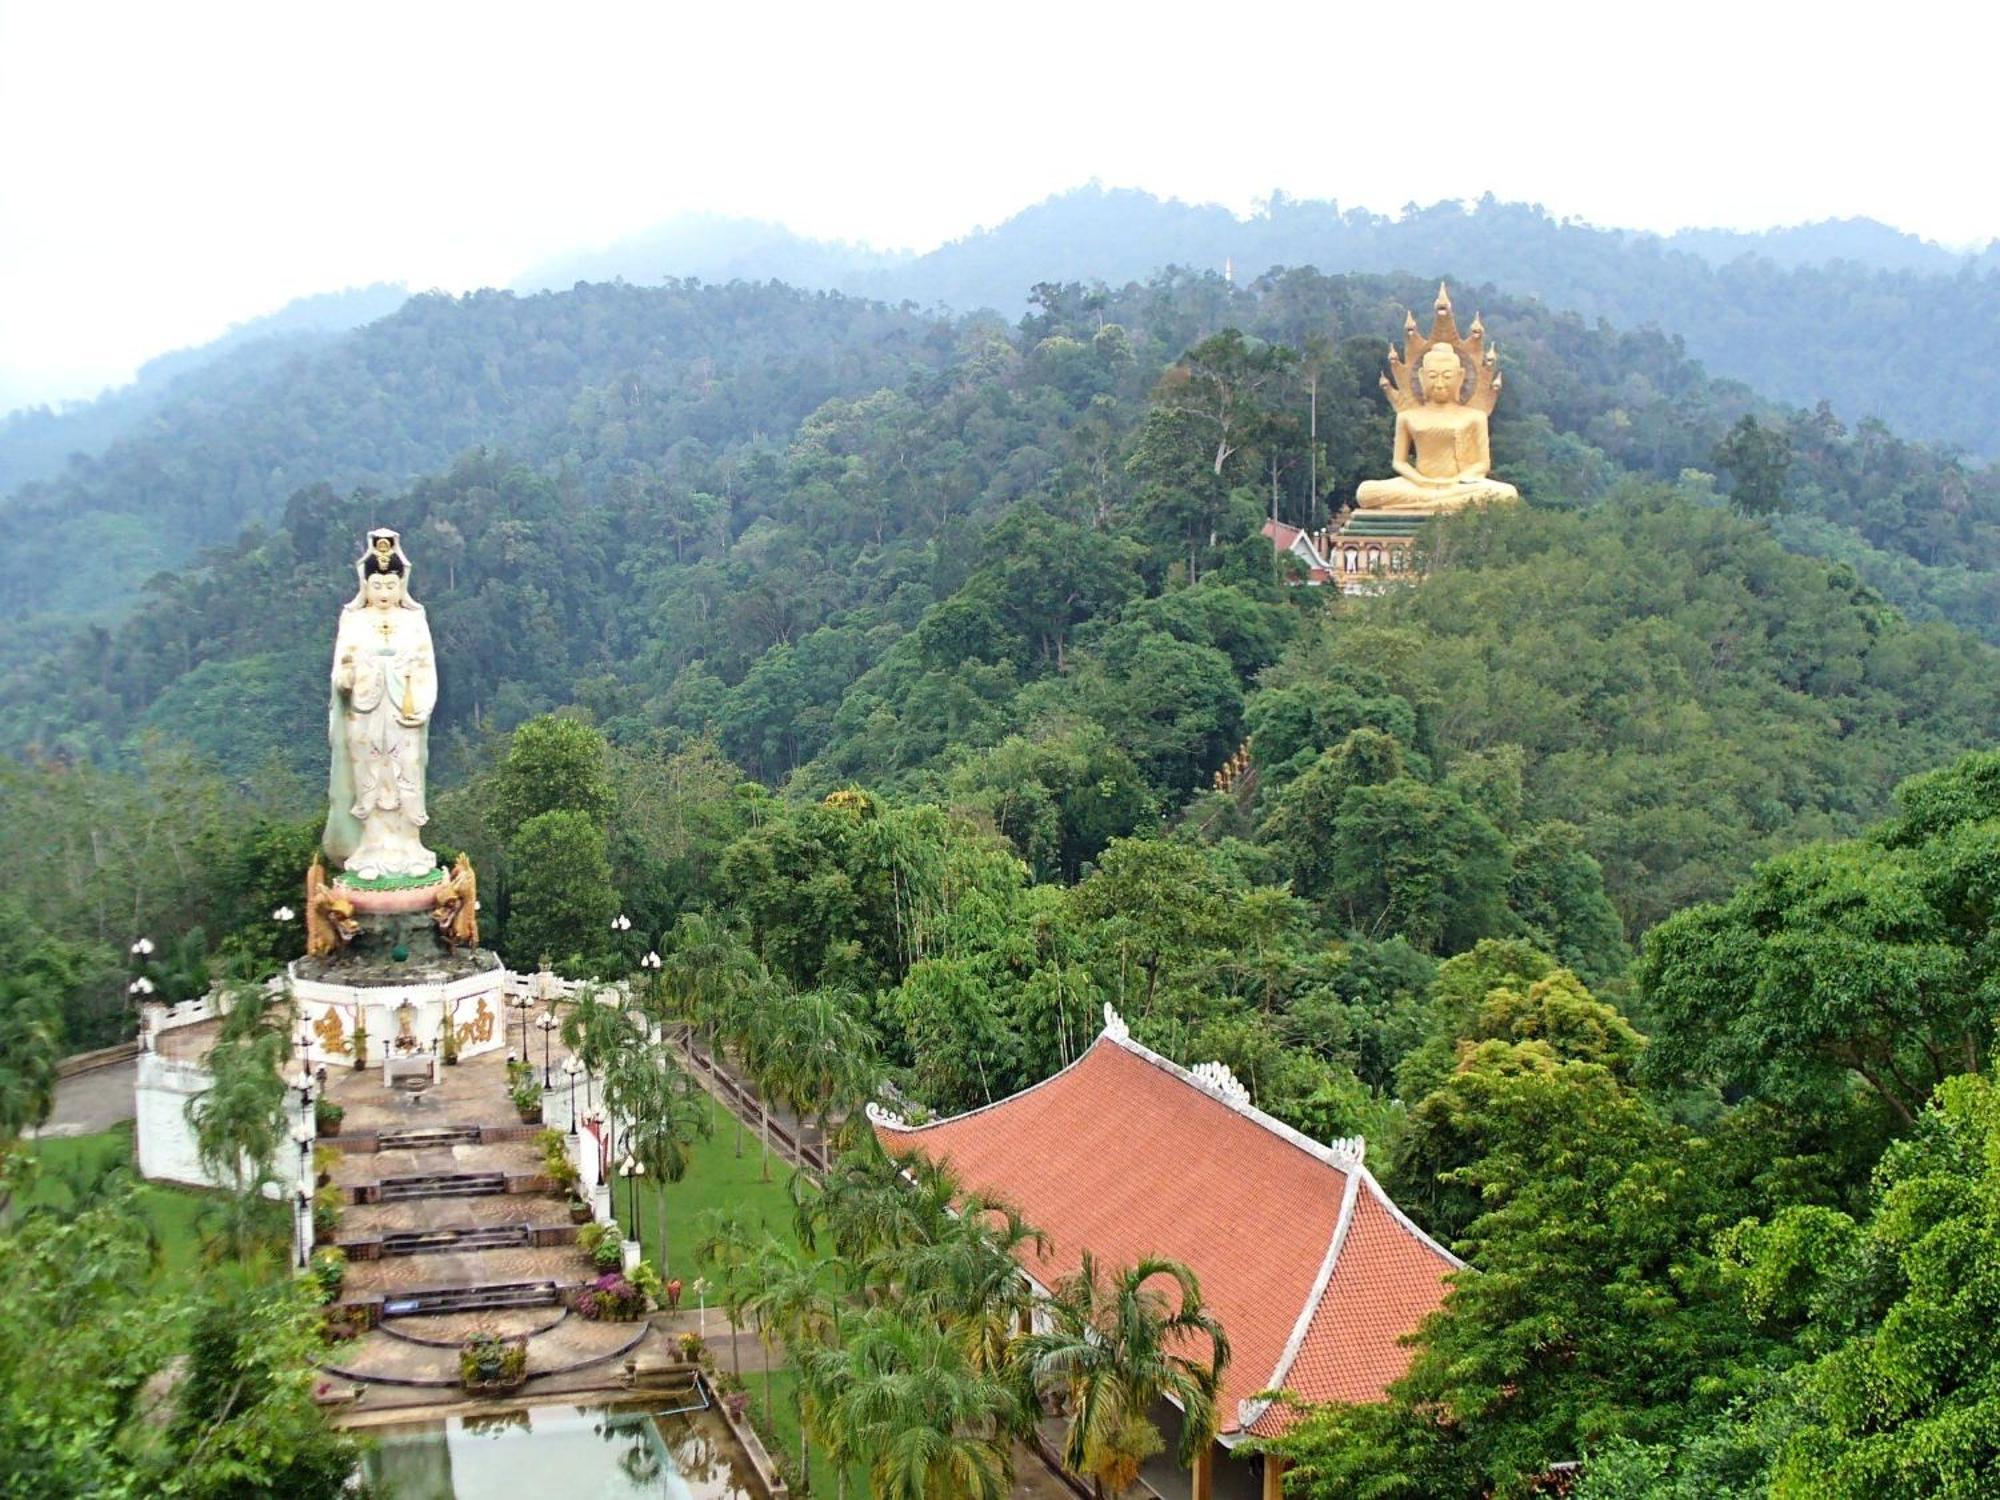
column 735, row 1351
column 660, row 1212
column 764, row 1121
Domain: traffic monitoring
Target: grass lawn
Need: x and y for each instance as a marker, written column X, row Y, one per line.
column 174, row 1213
column 717, row 1177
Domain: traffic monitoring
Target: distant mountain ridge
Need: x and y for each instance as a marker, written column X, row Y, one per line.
column 1832, row 311
column 1824, row 311
column 37, row 441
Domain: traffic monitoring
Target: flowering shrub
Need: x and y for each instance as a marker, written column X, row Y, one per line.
column 610, row 1299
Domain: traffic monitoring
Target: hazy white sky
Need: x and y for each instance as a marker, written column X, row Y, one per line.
column 166, row 169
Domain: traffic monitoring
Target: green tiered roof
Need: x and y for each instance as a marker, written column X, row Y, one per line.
column 1384, row 524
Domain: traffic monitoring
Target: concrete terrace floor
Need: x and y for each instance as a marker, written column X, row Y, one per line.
column 473, row 1092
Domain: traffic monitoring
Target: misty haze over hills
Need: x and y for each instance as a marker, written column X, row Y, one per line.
column 36, row 442
column 1804, row 314
column 1830, row 311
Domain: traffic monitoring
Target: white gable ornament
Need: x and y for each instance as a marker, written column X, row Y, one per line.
column 1219, row 1081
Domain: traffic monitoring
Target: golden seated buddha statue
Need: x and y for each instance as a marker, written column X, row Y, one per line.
column 1442, row 455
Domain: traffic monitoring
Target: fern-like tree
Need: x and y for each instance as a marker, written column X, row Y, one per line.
column 816, row 1057
column 666, row 1113
column 726, row 1246
column 932, row 1425
column 1115, row 1344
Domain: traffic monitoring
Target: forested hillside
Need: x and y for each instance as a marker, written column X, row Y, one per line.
column 877, row 668
column 37, row 442
column 1008, row 572
column 1839, row 312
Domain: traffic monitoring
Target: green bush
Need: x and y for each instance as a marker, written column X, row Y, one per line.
column 327, row 1116
column 328, row 1271
column 327, row 1204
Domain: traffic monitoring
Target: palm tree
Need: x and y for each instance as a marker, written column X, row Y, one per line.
column 750, row 1024
column 239, row 1121
column 934, row 1426
column 597, row 1031
column 725, row 1247
column 1114, row 1347
column 707, row 966
column 791, row 1305
column 667, row 1112
column 787, row 1300
column 968, row 1279
column 872, row 1203
column 816, row 1057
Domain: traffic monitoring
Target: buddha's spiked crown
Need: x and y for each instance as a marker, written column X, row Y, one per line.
column 1401, row 384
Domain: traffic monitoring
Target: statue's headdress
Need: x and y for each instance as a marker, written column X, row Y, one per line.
column 382, row 554
column 1401, row 384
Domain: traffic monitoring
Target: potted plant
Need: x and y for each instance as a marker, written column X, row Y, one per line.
column 693, row 1347
column 527, row 1096
column 601, row 1243
column 579, row 1211
column 560, row 1170
column 489, row 1364
column 360, row 1048
column 326, row 1212
column 327, row 1116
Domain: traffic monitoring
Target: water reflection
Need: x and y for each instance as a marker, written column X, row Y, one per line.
column 588, row 1453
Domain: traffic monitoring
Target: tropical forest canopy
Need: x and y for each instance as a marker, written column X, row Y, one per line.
column 888, row 659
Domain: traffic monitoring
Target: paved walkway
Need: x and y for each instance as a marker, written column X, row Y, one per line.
column 89, row 1102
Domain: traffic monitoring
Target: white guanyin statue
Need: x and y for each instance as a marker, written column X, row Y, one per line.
column 379, row 721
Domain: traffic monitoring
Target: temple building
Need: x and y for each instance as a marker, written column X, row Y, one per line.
column 1313, row 1273
column 1360, row 552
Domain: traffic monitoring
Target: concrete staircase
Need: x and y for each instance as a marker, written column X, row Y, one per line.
column 463, row 1299
column 441, row 1185
column 433, row 1241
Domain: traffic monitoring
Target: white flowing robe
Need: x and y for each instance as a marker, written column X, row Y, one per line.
column 378, row 725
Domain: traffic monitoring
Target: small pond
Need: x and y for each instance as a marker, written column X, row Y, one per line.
column 578, row 1452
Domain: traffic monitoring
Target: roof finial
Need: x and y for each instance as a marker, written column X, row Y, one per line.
column 1114, row 1024
column 879, row 1114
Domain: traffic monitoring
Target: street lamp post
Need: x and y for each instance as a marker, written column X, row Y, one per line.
column 305, row 1227
column 571, row 1067
column 141, row 987
column 631, row 1170
column 521, row 1005
column 302, row 1137
column 546, row 1023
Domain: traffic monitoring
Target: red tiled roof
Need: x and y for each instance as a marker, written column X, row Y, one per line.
column 1312, row 1272
column 1281, row 535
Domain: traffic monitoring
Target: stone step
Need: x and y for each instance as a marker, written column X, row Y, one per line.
column 434, row 1135
column 449, row 1330
column 429, row 1241
column 471, row 1299
column 442, row 1185
column 382, row 1358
